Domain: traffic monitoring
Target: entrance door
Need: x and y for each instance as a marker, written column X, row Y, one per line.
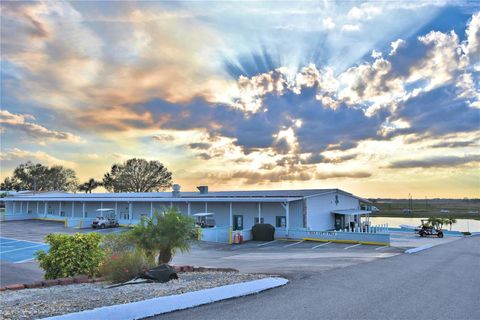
column 237, row 222
column 339, row 222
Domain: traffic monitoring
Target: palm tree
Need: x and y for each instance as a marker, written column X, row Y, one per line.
column 450, row 221
column 89, row 186
column 437, row 223
column 164, row 233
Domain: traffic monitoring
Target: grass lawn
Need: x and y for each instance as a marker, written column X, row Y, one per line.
column 458, row 209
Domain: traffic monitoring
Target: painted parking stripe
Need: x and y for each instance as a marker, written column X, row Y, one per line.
column 38, row 245
column 321, row 245
column 26, row 260
column 18, row 240
column 381, row 248
column 264, row 244
column 355, row 245
column 293, row 244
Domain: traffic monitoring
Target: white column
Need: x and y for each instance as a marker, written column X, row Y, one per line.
column 130, row 210
column 83, row 210
column 151, row 209
column 27, row 206
column 38, row 207
column 231, row 215
column 189, row 209
column 259, row 212
column 116, row 210
column 14, row 207
column 287, row 208
column 60, row 209
column 171, row 204
column 206, row 206
column 21, row 207
column 101, row 205
column 73, row 209
column 45, row 208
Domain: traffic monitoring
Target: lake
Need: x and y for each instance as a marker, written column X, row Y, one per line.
column 469, row 225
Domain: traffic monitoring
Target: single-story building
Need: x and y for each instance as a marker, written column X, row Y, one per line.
column 286, row 210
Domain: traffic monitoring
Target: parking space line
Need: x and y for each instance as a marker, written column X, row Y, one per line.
column 293, row 244
column 26, row 260
column 19, row 240
column 24, row 248
column 264, row 244
column 381, row 248
column 355, row 245
column 321, row 245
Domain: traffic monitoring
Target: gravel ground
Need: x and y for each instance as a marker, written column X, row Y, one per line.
column 57, row 300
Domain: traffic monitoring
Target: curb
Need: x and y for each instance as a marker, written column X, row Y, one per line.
column 156, row 306
column 418, row 249
column 86, row 279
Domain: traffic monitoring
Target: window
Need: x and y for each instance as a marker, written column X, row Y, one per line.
column 237, row 222
column 256, row 220
column 280, row 221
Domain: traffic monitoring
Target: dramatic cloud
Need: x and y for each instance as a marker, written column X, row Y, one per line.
column 436, row 162
column 21, row 122
column 12, row 157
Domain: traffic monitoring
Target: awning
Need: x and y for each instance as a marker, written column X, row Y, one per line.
column 351, row 212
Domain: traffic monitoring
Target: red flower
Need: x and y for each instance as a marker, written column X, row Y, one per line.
column 113, row 257
column 125, row 270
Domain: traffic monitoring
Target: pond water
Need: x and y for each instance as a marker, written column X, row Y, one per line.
column 469, row 225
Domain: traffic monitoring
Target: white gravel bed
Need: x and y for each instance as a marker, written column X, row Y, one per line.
column 57, row 300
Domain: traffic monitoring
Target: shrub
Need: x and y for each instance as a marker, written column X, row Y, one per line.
column 164, row 233
column 71, row 255
column 125, row 266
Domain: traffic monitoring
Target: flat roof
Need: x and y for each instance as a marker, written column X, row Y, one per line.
column 214, row 196
column 351, row 212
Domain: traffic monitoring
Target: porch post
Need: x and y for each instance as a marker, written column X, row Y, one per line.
column 45, row 208
column 83, row 210
column 151, row 209
column 130, row 213
column 231, row 215
column 38, row 207
column 259, row 212
column 206, row 207
column 101, row 205
column 21, row 207
column 27, row 205
column 171, row 204
column 60, row 209
column 116, row 210
column 287, row 209
column 189, row 209
column 73, row 209
column 14, row 207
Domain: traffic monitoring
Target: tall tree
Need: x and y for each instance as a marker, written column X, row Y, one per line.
column 37, row 177
column 89, row 186
column 137, row 175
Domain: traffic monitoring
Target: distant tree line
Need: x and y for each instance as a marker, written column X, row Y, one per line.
column 133, row 175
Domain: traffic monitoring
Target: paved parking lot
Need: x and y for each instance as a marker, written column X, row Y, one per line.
column 283, row 257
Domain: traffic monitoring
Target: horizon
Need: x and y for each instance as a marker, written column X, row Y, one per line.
column 379, row 99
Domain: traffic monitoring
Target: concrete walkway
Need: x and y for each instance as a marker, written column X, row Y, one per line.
column 440, row 283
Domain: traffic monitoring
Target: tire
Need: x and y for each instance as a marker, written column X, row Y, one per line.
column 422, row 234
column 440, row 235
column 102, row 226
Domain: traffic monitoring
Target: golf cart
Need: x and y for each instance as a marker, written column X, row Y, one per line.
column 204, row 220
column 427, row 229
column 105, row 219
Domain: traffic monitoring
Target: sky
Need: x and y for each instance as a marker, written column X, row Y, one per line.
column 380, row 98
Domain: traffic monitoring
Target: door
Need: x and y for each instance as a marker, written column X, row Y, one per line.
column 237, row 222
column 339, row 222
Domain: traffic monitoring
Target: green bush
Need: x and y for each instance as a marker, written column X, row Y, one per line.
column 71, row 255
column 125, row 266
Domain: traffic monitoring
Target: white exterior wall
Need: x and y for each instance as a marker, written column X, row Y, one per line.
column 296, row 214
column 319, row 208
column 248, row 210
column 270, row 211
column 222, row 215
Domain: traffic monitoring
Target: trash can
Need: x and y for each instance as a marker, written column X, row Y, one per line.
column 263, row 232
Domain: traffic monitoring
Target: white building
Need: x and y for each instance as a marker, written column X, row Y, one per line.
column 286, row 210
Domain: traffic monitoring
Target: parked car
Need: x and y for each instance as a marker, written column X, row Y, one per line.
column 106, row 218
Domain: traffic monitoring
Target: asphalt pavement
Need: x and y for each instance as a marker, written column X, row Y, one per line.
column 440, row 283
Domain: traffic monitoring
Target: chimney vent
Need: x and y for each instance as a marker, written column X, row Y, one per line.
column 203, row 189
column 176, row 190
